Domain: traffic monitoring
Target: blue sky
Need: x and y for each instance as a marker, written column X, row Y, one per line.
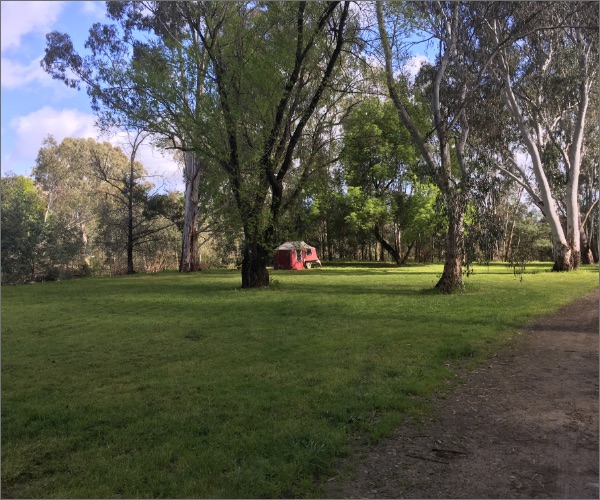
column 34, row 105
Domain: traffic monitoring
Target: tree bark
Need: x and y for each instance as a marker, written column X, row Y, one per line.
column 587, row 257
column 190, row 260
column 595, row 242
column 386, row 246
column 451, row 278
column 406, row 254
column 563, row 260
column 86, row 256
column 130, row 269
column 254, row 266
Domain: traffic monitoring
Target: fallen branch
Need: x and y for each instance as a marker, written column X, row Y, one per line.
column 439, row 450
column 427, row 458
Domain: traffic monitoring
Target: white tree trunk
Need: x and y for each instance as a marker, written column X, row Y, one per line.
column 548, row 206
column 574, row 164
column 562, row 252
column 189, row 249
column 566, row 245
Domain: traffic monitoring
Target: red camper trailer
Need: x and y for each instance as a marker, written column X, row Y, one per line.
column 295, row 255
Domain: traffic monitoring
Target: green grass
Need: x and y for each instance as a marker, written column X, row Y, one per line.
column 177, row 386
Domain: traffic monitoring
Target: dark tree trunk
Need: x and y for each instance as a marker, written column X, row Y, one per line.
column 594, row 242
column 386, row 246
column 407, row 253
column 130, row 269
column 575, row 257
column 254, row 266
column 452, row 276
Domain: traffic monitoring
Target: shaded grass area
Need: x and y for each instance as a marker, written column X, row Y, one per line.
column 178, row 386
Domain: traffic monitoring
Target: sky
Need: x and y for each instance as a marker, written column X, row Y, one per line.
column 33, row 104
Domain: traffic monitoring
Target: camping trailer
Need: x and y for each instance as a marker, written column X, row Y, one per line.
column 295, row 255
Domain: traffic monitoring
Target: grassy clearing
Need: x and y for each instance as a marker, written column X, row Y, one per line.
column 184, row 386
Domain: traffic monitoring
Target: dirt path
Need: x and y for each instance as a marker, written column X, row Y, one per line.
column 524, row 425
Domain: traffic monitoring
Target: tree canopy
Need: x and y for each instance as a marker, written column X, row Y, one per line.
column 268, row 102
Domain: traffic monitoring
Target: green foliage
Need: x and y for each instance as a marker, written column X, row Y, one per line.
column 62, row 247
column 364, row 210
column 169, row 205
column 484, row 228
column 22, row 227
column 381, row 167
column 531, row 240
column 417, row 213
column 253, row 400
column 377, row 147
column 35, row 244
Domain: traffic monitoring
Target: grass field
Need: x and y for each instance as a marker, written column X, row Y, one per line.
column 175, row 386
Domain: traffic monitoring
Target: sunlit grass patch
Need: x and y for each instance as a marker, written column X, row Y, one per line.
column 175, row 385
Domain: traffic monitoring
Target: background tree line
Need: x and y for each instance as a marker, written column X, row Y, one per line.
column 299, row 121
column 88, row 208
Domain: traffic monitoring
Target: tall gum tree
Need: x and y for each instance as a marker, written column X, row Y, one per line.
column 547, row 76
column 453, row 81
column 273, row 65
column 590, row 190
column 64, row 175
column 146, row 71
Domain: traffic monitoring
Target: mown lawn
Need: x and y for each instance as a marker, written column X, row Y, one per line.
column 184, row 386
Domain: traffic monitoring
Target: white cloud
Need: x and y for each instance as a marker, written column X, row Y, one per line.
column 15, row 75
column 162, row 164
column 60, row 123
column 21, row 18
column 413, row 65
column 158, row 163
column 95, row 9
column 30, row 130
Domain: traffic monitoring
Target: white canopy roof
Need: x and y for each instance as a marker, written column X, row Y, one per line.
column 293, row 245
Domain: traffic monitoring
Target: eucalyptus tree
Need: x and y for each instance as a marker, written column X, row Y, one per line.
column 547, row 76
column 451, row 83
column 590, row 186
column 146, row 71
column 64, row 174
column 590, row 195
column 273, row 65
